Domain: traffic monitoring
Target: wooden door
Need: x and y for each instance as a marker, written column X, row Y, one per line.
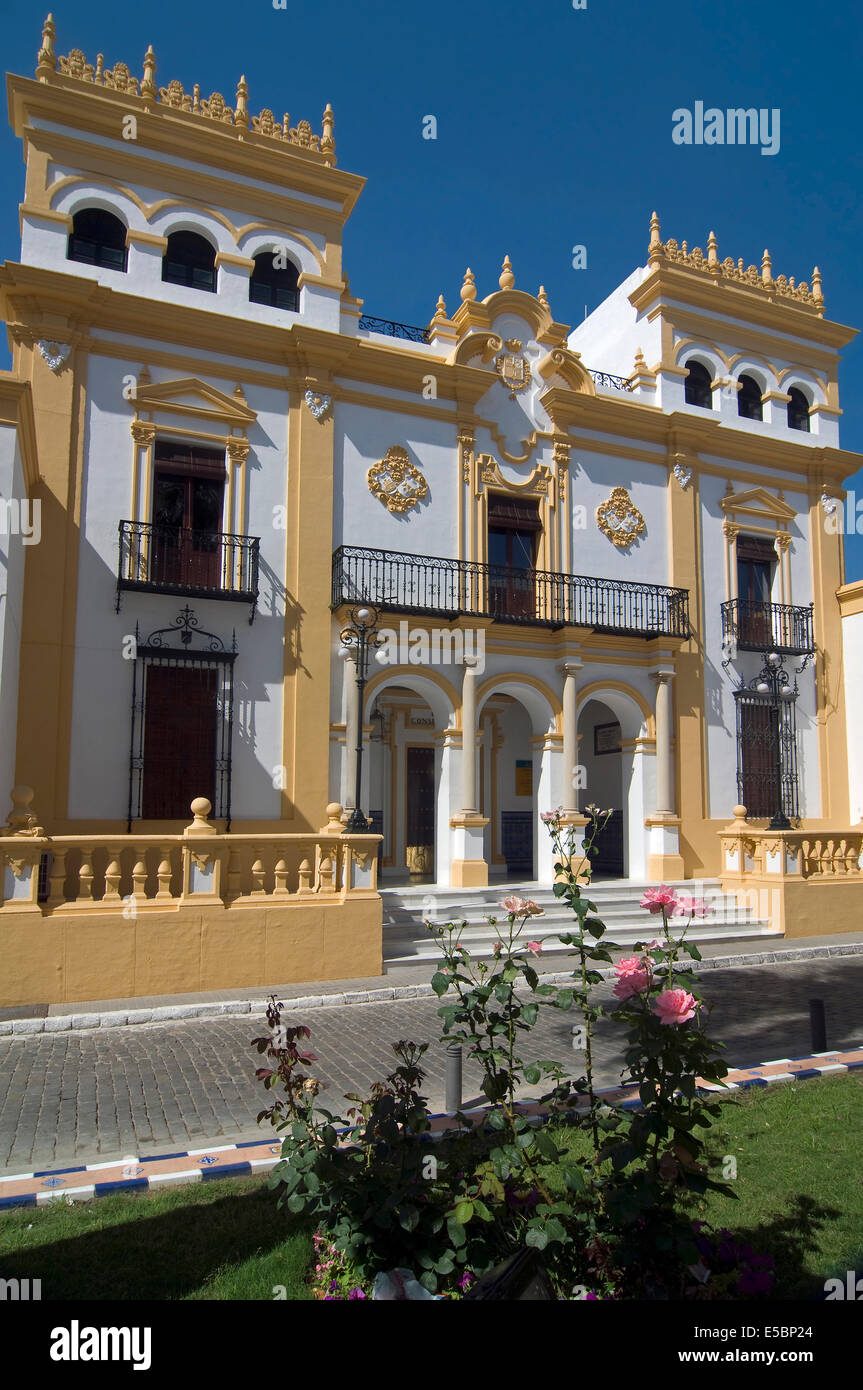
column 180, row 732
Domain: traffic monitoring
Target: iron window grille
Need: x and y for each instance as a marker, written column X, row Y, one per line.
column 193, row 649
column 766, row 753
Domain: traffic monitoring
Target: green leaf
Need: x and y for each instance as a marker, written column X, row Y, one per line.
column 456, row 1232
column 439, row 983
column 408, row 1218
column 296, row 1202
column 532, row 1075
column 546, row 1145
column 537, row 1237
column 464, row 1212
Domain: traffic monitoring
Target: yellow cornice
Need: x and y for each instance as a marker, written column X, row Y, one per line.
column 16, row 410
column 706, row 329
column 144, row 238
column 241, row 154
column 850, row 598
column 228, row 258
column 210, row 402
column 666, row 282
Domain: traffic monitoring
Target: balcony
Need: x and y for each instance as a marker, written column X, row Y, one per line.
column 427, row 584
column 762, row 627
column 179, row 560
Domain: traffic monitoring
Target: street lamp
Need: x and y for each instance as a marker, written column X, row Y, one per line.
column 359, row 638
column 773, row 680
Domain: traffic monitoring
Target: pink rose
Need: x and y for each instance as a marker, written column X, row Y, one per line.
column 629, row 965
column 521, row 907
column 674, row 1006
column 688, row 906
column 655, row 899
column 633, row 983
column 535, row 947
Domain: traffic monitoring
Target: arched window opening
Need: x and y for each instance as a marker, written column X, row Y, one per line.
column 798, row 410
column 98, row 238
column 190, row 260
column 749, row 399
column 697, row 390
column 274, row 281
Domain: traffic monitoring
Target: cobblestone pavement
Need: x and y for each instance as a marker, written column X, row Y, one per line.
column 89, row 1096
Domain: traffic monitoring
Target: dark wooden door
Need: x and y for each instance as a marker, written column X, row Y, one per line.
column 758, row 758
column 609, row 843
column 180, row 731
column 420, row 819
column 187, row 520
column 516, row 842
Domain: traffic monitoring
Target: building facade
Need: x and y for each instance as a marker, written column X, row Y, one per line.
column 587, row 567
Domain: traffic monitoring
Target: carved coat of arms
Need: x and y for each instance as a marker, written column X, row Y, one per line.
column 513, row 368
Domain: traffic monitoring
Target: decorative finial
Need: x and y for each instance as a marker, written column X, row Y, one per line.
column 654, row 250
column 241, row 116
column 542, row 297
column 46, row 62
column 766, row 268
column 507, row 279
column 639, row 360
column 817, row 291
column 468, row 289
column 328, row 144
column 712, row 249
column 148, row 83
column 239, row 393
column 440, row 308
column 144, row 377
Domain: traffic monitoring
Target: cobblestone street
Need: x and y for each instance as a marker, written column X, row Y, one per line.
column 95, row 1095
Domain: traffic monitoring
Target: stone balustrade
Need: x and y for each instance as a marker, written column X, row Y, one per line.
column 115, row 873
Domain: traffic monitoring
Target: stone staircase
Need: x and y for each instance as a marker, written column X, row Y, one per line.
column 406, row 940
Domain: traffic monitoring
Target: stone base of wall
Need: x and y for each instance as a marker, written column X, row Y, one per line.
column 68, row 957
column 808, row 907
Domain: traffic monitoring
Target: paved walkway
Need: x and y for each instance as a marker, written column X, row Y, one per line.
column 95, row 1095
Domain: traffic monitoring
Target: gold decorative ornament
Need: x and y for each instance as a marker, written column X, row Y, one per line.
column 619, row 519
column 396, row 482
column 512, row 367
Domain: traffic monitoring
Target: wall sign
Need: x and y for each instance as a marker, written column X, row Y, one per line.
column 606, row 738
column 523, row 777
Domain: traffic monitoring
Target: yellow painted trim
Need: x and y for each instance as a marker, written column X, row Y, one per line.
column 492, row 683
column 850, row 598
column 16, row 410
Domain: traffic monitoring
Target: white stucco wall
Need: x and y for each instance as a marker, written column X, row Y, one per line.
column 12, row 559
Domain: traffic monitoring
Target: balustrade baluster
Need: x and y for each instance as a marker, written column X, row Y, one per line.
column 113, row 874
column 85, row 875
column 57, row 878
column 163, row 873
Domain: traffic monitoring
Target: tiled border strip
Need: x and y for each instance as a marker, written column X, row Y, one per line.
column 259, row 1156
column 217, row 1008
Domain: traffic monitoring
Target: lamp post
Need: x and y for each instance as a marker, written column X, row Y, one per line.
column 359, row 638
column 773, row 680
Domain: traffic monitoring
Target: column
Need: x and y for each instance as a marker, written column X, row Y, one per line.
column 570, row 734
column 352, row 724
column 468, row 867
column 665, row 860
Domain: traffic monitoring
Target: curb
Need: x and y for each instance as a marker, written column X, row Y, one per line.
column 245, row 1159
column 115, row 1018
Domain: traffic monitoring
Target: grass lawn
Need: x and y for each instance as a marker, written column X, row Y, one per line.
column 799, row 1180
column 212, row 1240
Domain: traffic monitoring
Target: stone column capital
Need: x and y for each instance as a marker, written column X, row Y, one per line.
column 664, row 675
column 571, row 666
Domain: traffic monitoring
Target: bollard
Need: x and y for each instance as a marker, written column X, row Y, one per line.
column 817, row 1025
column 452, row 1087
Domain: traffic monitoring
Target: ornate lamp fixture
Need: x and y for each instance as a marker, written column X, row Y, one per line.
column 359, row 639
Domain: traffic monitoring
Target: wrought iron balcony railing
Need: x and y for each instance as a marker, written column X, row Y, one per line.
column 179, row 560
column 401, row 583
column 761, row 627
column 394, row 330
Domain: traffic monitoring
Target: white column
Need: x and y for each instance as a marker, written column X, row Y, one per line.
column 352, row 723
column 664, row 769
column 468, row 739
column 570, row 734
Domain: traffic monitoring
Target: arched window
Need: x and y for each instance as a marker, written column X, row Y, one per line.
column 697, row 389
column 274, row 281
column 798, row 410
column 190, row 260
column 98, row 238
column 749, row 399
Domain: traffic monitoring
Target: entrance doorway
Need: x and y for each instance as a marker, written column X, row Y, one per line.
column 419, row 809
column 180, row 735
column 601, row 784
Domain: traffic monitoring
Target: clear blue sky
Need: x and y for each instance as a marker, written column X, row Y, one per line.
column 554, row 129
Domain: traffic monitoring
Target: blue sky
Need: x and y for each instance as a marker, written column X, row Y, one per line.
column 554, row 130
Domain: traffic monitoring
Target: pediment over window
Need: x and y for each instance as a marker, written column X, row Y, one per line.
column 192, row 397
column 759, row 503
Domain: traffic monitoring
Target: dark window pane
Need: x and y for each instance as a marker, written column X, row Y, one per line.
column 190, row 260
column 749, row 399
column 697, row 389
column 98, row 238
column 798, row 411
column 273, row 283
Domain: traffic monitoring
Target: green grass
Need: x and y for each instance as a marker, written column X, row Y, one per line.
column 799, row 1181
column 799, row 1184
column 214, row 1240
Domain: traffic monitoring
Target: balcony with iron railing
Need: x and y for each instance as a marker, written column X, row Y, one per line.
column 428, row 584
column 179, row 560
column 758, row 626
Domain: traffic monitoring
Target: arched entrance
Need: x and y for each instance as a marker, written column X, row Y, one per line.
column 518, row 745
column 613, row 736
